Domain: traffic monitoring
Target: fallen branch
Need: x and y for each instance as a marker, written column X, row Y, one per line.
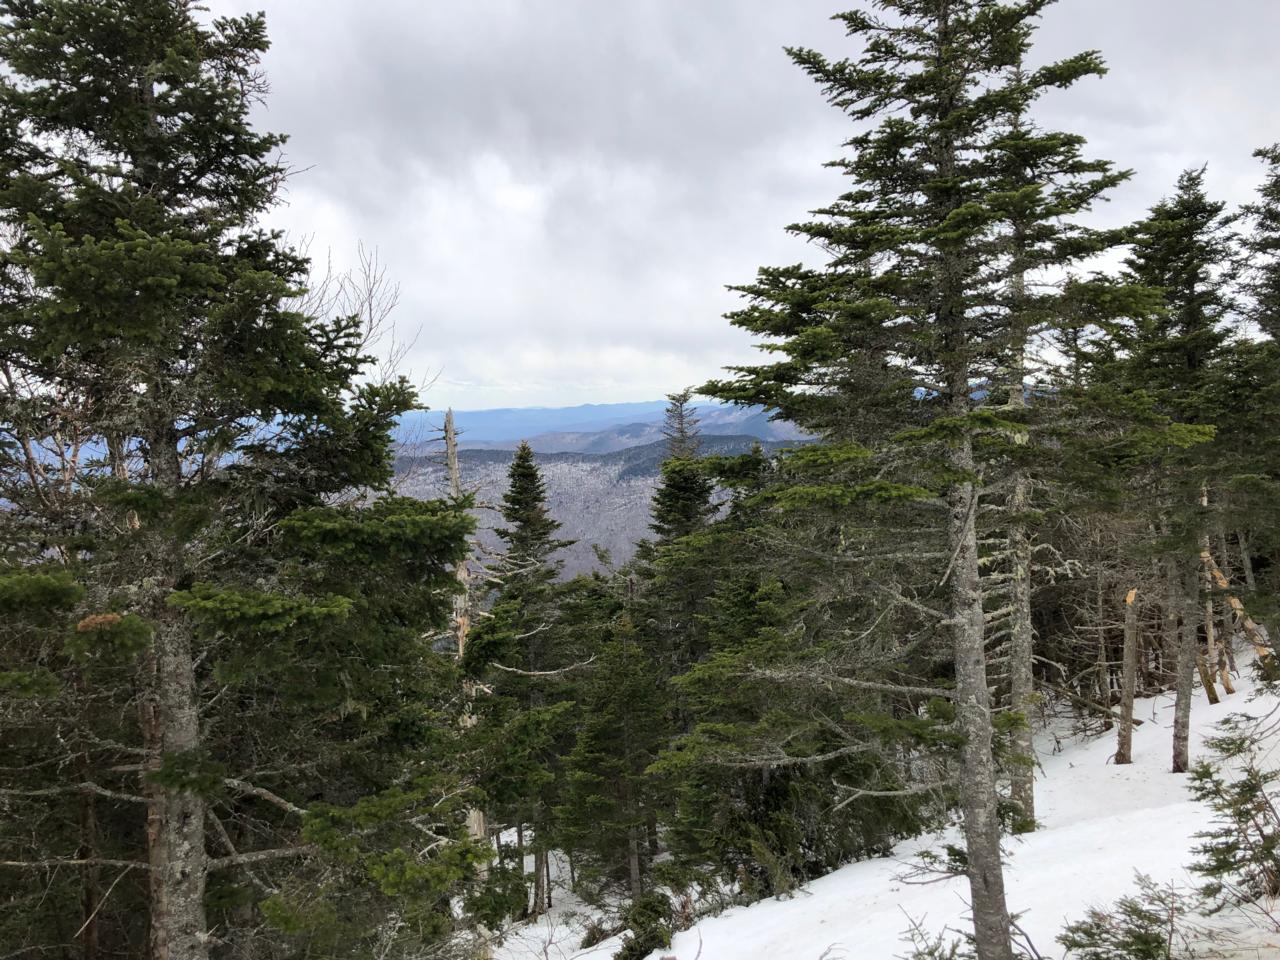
column 541, row 673
column 1086, row 702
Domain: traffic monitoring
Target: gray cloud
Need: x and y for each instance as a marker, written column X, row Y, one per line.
column 563, row 188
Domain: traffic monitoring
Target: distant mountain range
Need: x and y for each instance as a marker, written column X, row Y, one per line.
column 600, row 463
column 589, row 428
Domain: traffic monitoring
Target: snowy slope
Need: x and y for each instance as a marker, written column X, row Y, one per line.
column 1100, row 824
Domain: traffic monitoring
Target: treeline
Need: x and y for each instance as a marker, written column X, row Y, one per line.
column 258, row 706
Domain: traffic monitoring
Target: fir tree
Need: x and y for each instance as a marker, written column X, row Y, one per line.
column 682, row 502
column 912, row 321
column 519, row 649
column 1184, row 249
column 680, row 425
column 183, row 452
column 611, row 799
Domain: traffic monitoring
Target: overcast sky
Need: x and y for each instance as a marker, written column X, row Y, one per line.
column 563, row 188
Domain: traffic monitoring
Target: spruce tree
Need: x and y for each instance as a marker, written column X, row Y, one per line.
column 1185, row 250
column 682, row 502
column 519, row 649
column 611, row 798
column 897, row 344
column 195, row 592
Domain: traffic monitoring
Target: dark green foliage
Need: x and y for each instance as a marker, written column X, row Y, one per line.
column 648, row 921
column 611, row 800
column 1240, row 855
column 211, row 608
column 682, row 502
column 1152, row 924
column 530, row 536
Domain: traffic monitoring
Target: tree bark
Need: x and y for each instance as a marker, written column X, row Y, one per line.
column 1187, row 660
column 633, row 861
column 973, row 705
column 176, row 815
column 539, row 879
column 176, row 831
column 1022, row 684
column 1128, row 679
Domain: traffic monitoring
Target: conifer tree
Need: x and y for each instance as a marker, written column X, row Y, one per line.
column 912, row 322
column 1184, row 249
column 518, row 649
column 195, row 592
column 1043, row 182
column 611, row 798
column 682, row 502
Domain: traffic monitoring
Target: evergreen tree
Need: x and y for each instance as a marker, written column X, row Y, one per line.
column 225, row 695
column 680, row 425
column 1169, row 357
column 682, row 502
column 611, row 801
column 530, row 538
column 519, row 649
column 916, row 317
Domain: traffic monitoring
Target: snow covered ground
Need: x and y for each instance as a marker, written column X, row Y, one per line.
column 1100, row 823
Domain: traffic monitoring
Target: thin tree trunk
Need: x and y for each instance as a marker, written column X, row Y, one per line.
column 90, row 874
column 633, row 861
column 1169, row 636
column 1246, row 562
column 477, row 828
column 1022, row 684
column 978, row 783
column 1187, row 657
column 1128, row 679
column 539, row 879
column 1212, row 656
column 1102, row 671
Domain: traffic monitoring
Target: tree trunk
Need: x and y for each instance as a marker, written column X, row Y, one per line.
column 1211, row 652
column 1169, row 636
column 1022, row 683
column 176, row 823
column 90, row 874
column 1128, row 679
column 633, row 861
column 1187, row 658
column 1246, row 562
column 1102, row 670
column 175, row 815
column 539, row 880
column 1022, row 687
column 477, row 828
column 973, row 704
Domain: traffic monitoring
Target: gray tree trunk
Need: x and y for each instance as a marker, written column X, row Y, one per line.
column 1022, row 682
column 1128, row 680
column 1185, row 679
column 973, row 704
column 176, row 816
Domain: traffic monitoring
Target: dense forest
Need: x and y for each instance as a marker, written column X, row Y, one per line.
column 256, row 704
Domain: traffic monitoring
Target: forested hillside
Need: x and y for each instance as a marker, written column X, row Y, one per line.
column 278, row 684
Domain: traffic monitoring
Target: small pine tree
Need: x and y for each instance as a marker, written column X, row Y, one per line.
column 680, row 425
column 1152, row 924
column 1240, row 854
